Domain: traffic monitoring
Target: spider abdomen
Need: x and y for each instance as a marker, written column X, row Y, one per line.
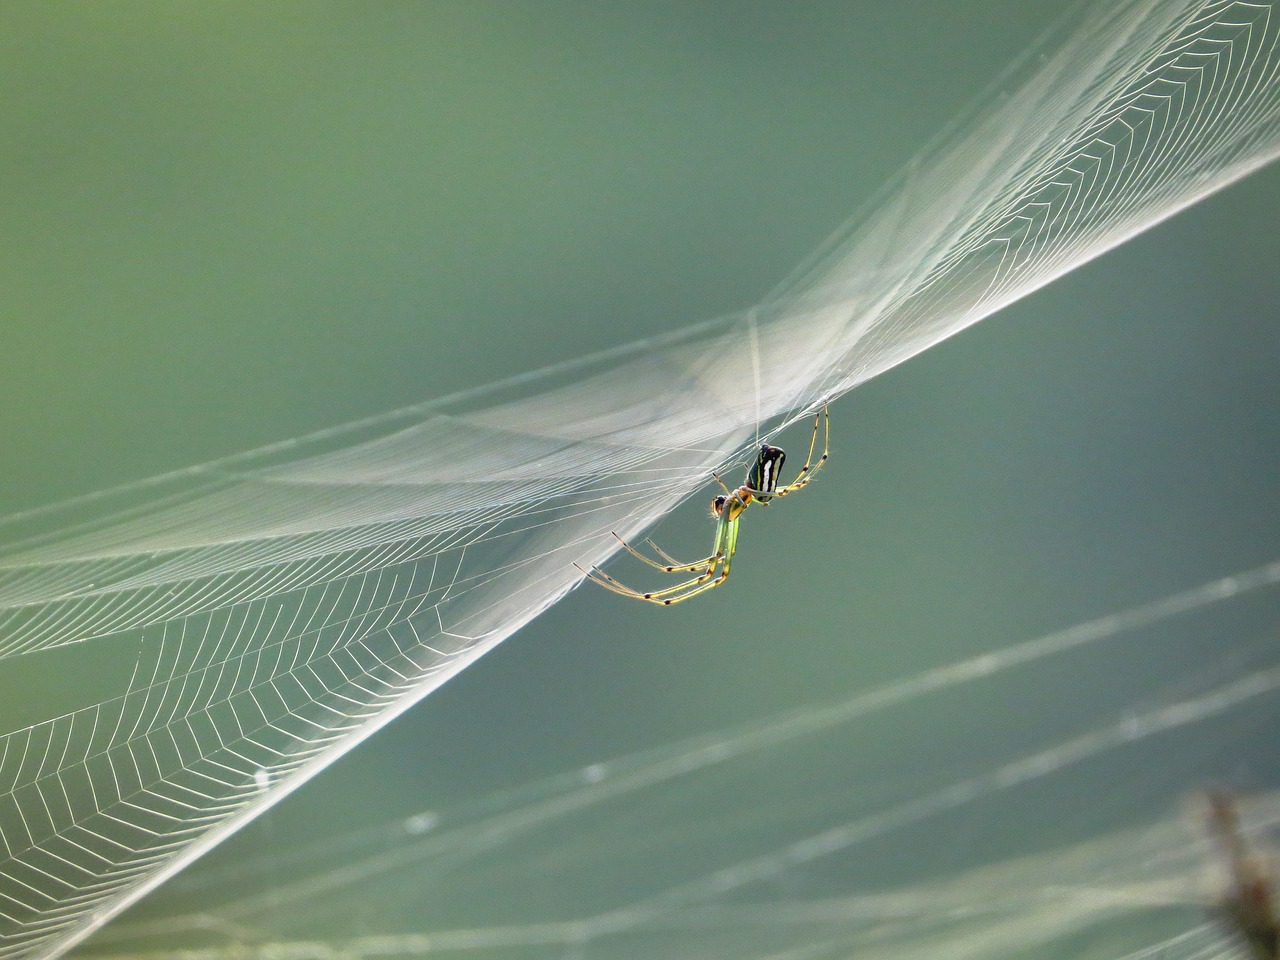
column 764, row 473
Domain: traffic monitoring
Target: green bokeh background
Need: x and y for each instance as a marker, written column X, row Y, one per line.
column 231, row 223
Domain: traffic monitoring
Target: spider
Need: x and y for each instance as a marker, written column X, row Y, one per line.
column 761, row 486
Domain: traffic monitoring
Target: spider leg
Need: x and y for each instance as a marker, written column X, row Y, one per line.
column 726, row 532
column 662, row 553
column 598, row 576
column 697, row 589
column 672, row 565
column 677, row 565
column 660, row 596
column 725, row 528
column 810, row 468
column 731, row 547
column 603, row 579
column 653, row 596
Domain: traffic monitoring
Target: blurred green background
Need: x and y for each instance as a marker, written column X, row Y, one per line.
column 230, row 223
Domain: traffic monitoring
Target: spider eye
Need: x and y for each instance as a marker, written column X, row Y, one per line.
column 717, row 505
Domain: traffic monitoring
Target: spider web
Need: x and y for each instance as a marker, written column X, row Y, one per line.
column 727, row 849
column 247, row 621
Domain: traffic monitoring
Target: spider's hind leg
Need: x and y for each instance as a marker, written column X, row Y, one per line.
column 810, row 468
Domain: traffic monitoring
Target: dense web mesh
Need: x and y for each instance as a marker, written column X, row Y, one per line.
column 246, row 621
column 822, row 857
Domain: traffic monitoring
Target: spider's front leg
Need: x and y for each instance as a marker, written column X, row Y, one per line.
column 731, row 547
column 653, row 596
column 723, row 508
column 672, row 565
column 726, row 538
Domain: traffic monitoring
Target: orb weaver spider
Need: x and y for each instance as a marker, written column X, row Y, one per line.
column 761, row 486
